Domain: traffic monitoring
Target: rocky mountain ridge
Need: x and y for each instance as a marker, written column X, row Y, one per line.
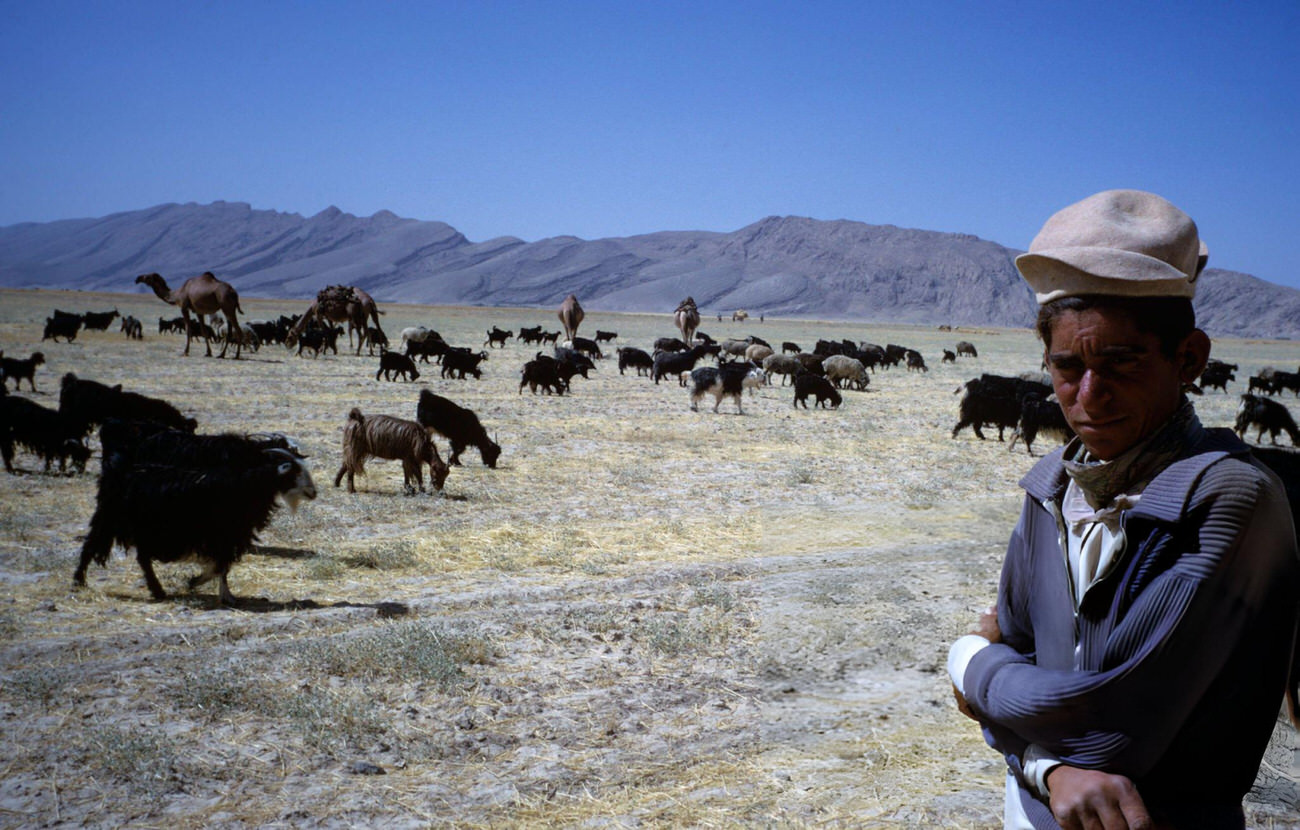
column 788, row 266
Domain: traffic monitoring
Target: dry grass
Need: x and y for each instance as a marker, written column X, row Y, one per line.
column 645, row 616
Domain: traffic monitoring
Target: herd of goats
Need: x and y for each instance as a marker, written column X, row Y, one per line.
column 160, row 480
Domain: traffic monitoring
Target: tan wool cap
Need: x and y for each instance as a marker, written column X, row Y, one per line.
column 1117, row 242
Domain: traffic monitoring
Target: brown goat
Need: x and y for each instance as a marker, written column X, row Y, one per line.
column 383, row 436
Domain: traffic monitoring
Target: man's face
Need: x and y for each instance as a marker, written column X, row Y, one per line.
column 1114, row 385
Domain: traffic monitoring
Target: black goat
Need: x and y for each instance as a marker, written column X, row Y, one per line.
column 65, row 327
column 995, row 400
column 677, row 364
column 393, row 364
column 1040, row 415
column 605, row 336
column 87, row 403
column 458, row 362
column 98, row 320
column 498, row 337
column 670, row 344
column 588, row 347
column 819, row 387
column 966, row 349
column 18, row 369
column 630, row 357
column 458, row 425
column 42, row 431
column 532, row 335
column 725, row 381
column 1265, row 414
column 375, row 339
column 200, row 507
column 790, row 347
column 431, row 346
column 542, row 371
column 1217, row 375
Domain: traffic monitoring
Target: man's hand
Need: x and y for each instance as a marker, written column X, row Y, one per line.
column 988, row 625
column 1085, row 798
column 962, row 705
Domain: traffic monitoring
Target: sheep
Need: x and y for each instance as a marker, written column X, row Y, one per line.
column 789, row 347
column 458, row 425
column 133, row 328
column 819, row 387
column 41, row 430
column 676, row 363
column 98, row 320
column 758, row 352
column 786, row 365
column 65, row 327
column 995, row 400
column 171, row 512
column 384, row 436
column 18, row 369
column 631, row 357
column 1265, row 414
column 498, row 337
column 842, row 370
column 606, row 336
column 1039, row 415
column 87, row 403
column 915, row 362
column 458, row 361
column 965, row 349
column 727, row 381
column 735, row 348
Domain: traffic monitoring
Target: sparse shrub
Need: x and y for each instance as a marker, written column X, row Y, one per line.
column 404, row 650
column 393, row 555
column 331, row 720
column 38, row 685
column 325, row 568
column 216, row 692
column 139, row 757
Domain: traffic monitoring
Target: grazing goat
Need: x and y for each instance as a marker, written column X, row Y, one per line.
column 670, row 344
column 383, row 436
column 812, row 362
column 18, row 369
column 393, row 365
column 965, row 349
column 542, row 371
column 1039, row 415
column 431, row 346
column 318, row 339
column 676, row 363
column 588, row 347
column 134, row 328
column 819, row 387
column 1265, row 414
column 949, row 357
column 87, row 403
column 789, row 347
column 188, row 496
column 42, row 431
column 458, row 425
column 634, row 358
column 842, row 370
column 605, row 336
column 915, row 362
column 457, row 362
column 65, row 327
column 498, row 337
column 995, row 400
column 727, row 381
column 375, row 339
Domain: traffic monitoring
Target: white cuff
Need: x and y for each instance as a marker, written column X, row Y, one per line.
column 1036, row 764
column 960, row 655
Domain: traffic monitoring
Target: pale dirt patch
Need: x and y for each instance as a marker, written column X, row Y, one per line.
column 645, row 617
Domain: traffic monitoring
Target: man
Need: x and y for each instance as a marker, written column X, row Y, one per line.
column 1146, row 617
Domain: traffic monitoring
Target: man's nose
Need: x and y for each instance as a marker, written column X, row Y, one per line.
column 1093, row 389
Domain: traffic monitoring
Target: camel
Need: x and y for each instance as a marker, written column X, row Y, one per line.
column 687, row 317
column 570, row 315
column 204, row 294
column 740, row 315
column 340, row 304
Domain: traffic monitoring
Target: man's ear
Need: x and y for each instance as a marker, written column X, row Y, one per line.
column 1193, row 356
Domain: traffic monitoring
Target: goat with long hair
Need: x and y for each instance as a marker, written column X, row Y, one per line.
column 383, row 436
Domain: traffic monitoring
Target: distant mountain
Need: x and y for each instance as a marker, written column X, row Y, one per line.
column 789, row 266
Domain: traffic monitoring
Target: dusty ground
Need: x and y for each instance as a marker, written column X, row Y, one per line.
column 645, row 617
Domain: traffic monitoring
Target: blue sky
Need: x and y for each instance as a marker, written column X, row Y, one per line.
column 615, row 118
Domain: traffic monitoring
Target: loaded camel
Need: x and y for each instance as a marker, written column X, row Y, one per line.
column 340, row 304
column 739, row 316
column 570, row 315
column 687, row 318
column 201, row 295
